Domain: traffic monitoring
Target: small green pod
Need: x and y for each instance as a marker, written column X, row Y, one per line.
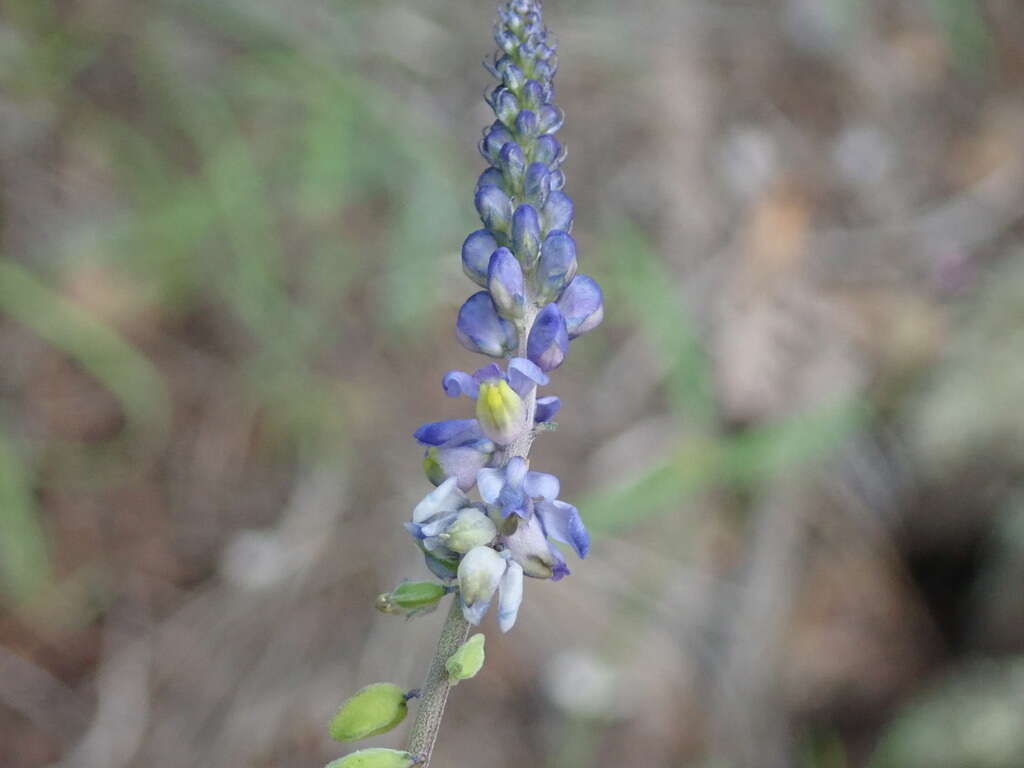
column 376, row 757
column 467, row 661
column 412, row 597
column 375, row 709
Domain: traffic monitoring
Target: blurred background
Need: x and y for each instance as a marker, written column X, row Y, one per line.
column 228, row 282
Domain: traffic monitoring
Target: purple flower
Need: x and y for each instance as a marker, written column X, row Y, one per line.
column 513, row 488
column 479, row 327
column 438, row 510
column 522, row 375
column 526, row 234
column 476, row 255
column 494, row 207
column 557, row 265
column 505, row 282
column 582, row 305
column 460, row 448
column 548, row 342
column 529, row 543
column 557, row 212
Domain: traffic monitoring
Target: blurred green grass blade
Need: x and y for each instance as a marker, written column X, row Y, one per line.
column 805, row 437
column 660, row 488
column 699, row 463
column 967, row 33
column 637, row 279
column 24, row 562
column 95, row 346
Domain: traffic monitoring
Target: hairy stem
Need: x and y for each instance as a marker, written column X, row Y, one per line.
column 434, row 693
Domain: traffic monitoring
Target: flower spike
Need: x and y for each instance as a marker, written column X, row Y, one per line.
column 492, row 520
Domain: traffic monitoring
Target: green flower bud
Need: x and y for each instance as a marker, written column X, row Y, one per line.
column 472, row 528
column 467, row 661
column 376, row 757
column 375, row 709
column 411, row 598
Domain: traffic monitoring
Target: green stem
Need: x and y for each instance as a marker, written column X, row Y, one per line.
column 434, row 693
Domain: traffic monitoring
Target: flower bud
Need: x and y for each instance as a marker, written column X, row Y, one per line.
column 476, row 255
column 506, row 40
column 373, row 710
column 557, row 212
column 467, row 661
column 480, row 329
column 493, row 177
column 506, row 108
column 495, row 137
column 513, row 162
column 377, row 757
column 537, row 184
column 557, row 265
column 472, row 528
column 547, row 150
column 526, row 234
column 494, row 207
column 505, row 282
column 479, row 573
column 582, row 305
column 548, row 342
column 533, row 95
column 411, row 598
column 511, row 75
column 500, row 411
column 549, row 118
column 527, row 124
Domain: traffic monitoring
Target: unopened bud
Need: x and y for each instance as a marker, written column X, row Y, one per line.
column 411, row 598
column 375, row 709
column 472, row 528
column 376, row 758
column 467, row 661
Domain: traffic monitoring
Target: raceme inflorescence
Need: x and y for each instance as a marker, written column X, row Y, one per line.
column 531, row 304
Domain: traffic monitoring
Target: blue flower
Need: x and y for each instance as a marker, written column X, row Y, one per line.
column 529, row 543
column 455, row 448
column 548, row 342
column 430, row 518
column 582, row 305
column 513, row 488
column 479, row 327
column 482, row 572
column 501, row 397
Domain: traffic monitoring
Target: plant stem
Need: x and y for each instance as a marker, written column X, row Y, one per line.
column 434, row 693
